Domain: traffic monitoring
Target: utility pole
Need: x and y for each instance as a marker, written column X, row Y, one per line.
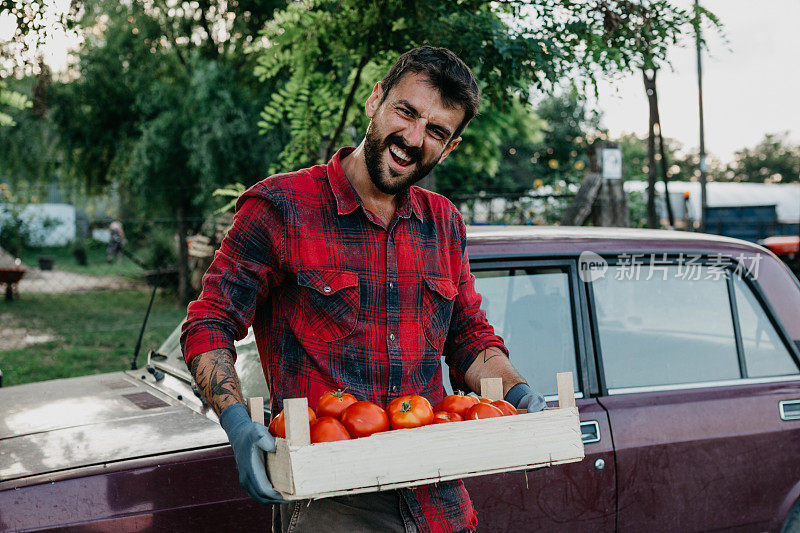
column 649, row 86
column 703, row 166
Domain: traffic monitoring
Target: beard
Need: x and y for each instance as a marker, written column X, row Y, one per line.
column 385, row 178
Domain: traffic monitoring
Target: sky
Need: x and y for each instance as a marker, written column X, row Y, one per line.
column 751, row 84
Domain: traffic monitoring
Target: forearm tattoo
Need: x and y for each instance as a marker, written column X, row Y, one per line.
column 216, row 379
column 491, row 353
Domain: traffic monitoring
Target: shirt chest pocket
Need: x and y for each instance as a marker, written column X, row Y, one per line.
column 437, row 308
column 330, row 301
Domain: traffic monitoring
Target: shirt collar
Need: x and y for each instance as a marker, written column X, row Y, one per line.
column 347, row 199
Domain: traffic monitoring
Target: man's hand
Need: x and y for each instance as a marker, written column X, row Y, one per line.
column 249, row 441
column 216, row 379
column 522, row 396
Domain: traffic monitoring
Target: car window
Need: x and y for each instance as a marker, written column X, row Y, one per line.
column 668, row 329
column 765, row 354
column 531, row 309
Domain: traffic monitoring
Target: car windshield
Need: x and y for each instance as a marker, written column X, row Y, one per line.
column 248, row 365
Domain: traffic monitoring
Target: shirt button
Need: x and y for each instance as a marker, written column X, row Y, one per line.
column 326, row 289
column 391, row 285
column 394, row 389
column 391, row 336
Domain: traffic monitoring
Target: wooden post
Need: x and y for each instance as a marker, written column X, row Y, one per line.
column 492, row 388
column 581, row 206
column 295, row 414
column 566, row 390
column 256, row 407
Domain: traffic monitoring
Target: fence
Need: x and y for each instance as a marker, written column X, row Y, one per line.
column 515, row 208
column 79, row 305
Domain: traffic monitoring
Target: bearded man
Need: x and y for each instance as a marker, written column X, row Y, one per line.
column 354, row 278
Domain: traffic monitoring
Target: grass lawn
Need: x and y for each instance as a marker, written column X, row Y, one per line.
column 94, row 332
column 95, row 258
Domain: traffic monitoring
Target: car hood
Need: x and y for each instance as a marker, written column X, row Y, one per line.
column 62, row 424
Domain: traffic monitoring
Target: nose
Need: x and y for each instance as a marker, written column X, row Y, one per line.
column 414, row 133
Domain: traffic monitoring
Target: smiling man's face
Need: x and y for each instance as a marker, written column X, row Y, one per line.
column 410, row 132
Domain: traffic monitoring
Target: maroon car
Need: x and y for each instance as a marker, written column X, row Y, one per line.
column 684, row 349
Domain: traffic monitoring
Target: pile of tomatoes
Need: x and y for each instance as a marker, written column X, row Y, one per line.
column 340, row 416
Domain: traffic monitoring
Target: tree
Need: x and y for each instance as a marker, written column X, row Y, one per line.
column 684, row 165
column 650, row 64
column 10, row 100
column 325, row 54
column 161, row 108
column 773, row 160
column 562, row 156
column 494, row 155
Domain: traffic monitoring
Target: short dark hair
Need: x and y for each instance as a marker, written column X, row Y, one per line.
column 445, row 72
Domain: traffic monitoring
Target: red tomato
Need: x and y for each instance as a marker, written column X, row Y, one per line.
column 397, row 401
column 505, row 407
column 457, row 403
column 328, row 429
column 333, row 403
column 483, row 410
column 278, row 426
column 411, row 412
column 485, row 400
column 362, row 419
column 443, row 417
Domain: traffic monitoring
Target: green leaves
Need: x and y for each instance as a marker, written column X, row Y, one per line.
column 11, row 99
column 312, row 49
column 232, row 191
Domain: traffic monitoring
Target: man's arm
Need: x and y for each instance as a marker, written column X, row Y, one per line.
column 219, row 384
column 216, row 379
column 493, row 363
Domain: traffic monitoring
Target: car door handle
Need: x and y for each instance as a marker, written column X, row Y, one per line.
column 590, row 431
column 789, row 409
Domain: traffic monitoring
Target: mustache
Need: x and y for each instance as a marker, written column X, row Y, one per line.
column 414, row 152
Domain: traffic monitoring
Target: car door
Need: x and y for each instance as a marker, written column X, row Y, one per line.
column 701, row 383
column 536, row 307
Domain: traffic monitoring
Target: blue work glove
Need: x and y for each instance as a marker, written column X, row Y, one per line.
column 522, row 396
column 249, row 441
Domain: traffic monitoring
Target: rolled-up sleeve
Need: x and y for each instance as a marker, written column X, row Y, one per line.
column 470, row 333
column 247, row 264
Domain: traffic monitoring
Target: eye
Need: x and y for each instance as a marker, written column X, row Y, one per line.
column 405, row 112
column 437, row 134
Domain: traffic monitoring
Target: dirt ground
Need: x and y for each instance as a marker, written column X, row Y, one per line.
column 59, row 282
column 14, row 337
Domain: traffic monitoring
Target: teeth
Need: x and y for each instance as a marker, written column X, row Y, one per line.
column 399, row 153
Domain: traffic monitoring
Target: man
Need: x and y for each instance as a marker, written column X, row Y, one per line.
column 352, row 278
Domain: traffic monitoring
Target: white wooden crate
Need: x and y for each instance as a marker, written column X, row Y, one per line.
column 410, row 457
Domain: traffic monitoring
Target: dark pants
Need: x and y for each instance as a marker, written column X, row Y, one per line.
column 360, row 513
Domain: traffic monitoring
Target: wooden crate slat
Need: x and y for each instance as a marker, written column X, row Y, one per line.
column 492, row 388
column 427, row 481
column 279, row 466
column 411, row 456
column 566, row 389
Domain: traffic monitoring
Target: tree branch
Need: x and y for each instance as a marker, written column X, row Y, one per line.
column 347, row 103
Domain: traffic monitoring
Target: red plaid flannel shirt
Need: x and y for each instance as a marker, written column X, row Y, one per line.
column 337, row 300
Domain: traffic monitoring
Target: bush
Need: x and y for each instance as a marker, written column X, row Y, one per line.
column 15, row 233
column 79, row 252
column 160, row 252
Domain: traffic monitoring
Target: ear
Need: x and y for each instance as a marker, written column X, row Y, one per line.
column 449, row 148
column 374, row 101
